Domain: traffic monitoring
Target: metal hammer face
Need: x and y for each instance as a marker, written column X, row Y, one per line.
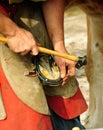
column 81, row 61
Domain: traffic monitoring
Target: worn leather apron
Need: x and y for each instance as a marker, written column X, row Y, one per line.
column 29, row 89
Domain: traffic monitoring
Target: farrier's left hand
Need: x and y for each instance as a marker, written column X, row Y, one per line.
column 67, row 68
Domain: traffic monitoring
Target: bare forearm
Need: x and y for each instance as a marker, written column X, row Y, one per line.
column 54, row 18
column 7, row 26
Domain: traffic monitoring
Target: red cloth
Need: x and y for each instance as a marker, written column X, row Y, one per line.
column 8, row 10
column 68, row 108
column 3, row 10
column 20, row 116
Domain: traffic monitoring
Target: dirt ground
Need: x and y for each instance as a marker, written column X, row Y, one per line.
column 76, row 44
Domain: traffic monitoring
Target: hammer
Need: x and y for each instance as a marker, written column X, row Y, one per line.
column 80, row 60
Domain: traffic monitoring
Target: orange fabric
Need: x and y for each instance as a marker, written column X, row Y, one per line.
column 20, row 116
column 68, row 108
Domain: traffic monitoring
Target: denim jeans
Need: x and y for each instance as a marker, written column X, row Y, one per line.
column 62, row 124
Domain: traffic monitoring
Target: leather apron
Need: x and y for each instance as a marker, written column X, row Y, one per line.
column 29, row 89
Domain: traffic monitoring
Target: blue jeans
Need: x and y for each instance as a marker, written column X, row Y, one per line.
column 62, row 124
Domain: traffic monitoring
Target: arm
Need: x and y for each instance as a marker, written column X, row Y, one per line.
column 54, row 18
column 19, row 40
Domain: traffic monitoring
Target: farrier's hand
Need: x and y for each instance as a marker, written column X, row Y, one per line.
column 19, row 40
column 67, row 68
column 22, row 42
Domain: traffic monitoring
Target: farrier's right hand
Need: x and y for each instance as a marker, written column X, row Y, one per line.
column 23, row 42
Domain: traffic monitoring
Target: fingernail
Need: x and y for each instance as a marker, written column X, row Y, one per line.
column 62, row 75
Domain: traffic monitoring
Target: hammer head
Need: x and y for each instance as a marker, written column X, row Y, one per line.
column 81, row 61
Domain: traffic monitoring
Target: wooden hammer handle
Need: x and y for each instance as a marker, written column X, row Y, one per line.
column 48, row 51
column 75, row 128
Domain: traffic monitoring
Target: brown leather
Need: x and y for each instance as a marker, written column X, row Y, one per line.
column 29, row 89
column 66, row 91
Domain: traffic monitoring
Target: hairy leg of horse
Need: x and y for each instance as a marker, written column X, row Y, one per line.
column 94, row 70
